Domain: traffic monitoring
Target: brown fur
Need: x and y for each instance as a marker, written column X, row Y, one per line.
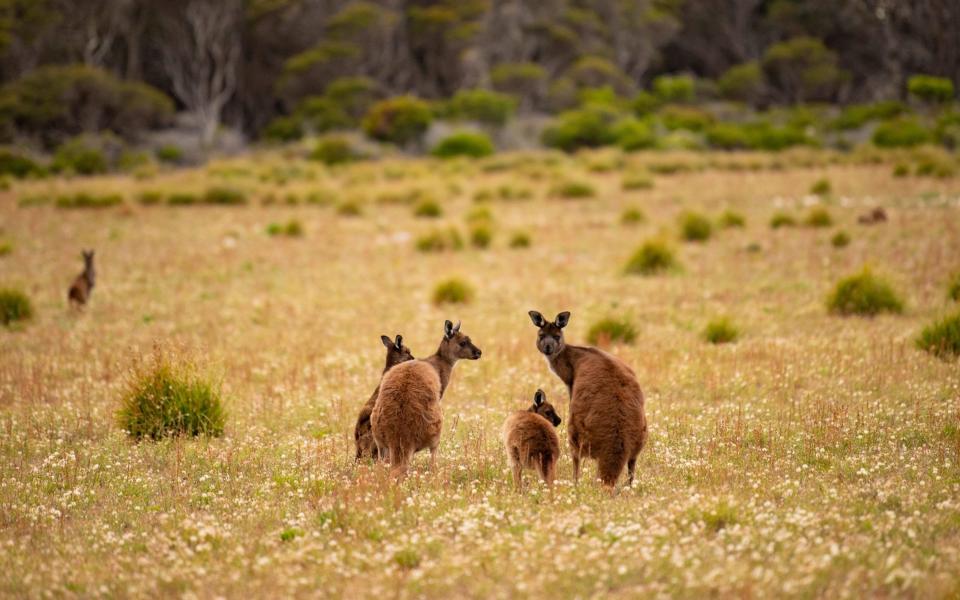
column 362, row 436
column 82, row 286
column 606, row 420
column 531, row 442
column 407, row 416
column 877, row 215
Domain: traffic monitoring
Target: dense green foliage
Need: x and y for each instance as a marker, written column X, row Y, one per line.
column 465, row 143
column 942, row 338
column 864, row 294
column 14, row 306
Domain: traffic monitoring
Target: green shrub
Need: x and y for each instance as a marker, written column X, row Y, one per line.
column 150, row 198
column 632, row 216
column 169, row 154
column 227, row 196
column 680, row 139
column 728, row 136
column 632, row 135
column 349, row 208
column 821, row 187
column 521, row 80
column 482, row 106
column 743, row 82
column 6, row 247
column 840, row 239
column 320, row 114
column 902, row 132
column 334, row 150
column 401, row 120
column 170, row 396
column 674, row 88
column 78, row 156
column 947, row 129
column 481, row 236
column 14, row 306
column 901, row 170
column 802, row 69
column 589, row 127
column 818, row 217
column 636, row 181
column 479, row 214
column 283, row 129
column 440, row 241
column 592, row 71
column 782, row 219
column 695, row 227
column 651, row 258
column 428, row 208
column 572, row 190
column 858, row 115
column 611, row 331
column 684, row 117
column 644, row 104
column 88, row 200
column 942, row 338
column 864, row 294
column 453, row 291
column 730, row 219
column 292, row 228
column 721, row 331
column 182, row 199
column 465, row 143
column 353, row 95
column 520, row 239
column 953, row 290
column 17, row 165
column 935, row 90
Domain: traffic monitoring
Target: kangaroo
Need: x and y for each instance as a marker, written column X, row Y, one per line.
column 606, row 420
column 407, row 417
column 531, row 441
column 362, row 437
column 82, row 286
column 877, row 215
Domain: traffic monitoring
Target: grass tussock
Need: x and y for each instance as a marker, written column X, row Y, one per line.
column 349, row 208
column 292, row 228
column 440, row 240
column 481, row 236
column 610, row 331
column 864, row 294
column 721, row 331
column 632, row 216
column 782, row 219
column 731, row 219
column 89, row 200
column 428, row 208
column 840, row 239
column 818, row 217
column 695, row 227
column 573, row 190
column 520, row 239
column 941, row 338
column 224, row 196
column 169, row 395
column 653, row 257
column 636, row 182
column 821, row 187
column 15, row 307
column 453, row 291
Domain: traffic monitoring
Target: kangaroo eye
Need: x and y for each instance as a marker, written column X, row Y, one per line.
column 463, row 344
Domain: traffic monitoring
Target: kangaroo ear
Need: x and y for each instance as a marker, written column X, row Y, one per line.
column 562, row 319
column 399, row 341
column 537, row 318
column 539, row 398
column 386, row 341
column 456, row 328
column 447, row 329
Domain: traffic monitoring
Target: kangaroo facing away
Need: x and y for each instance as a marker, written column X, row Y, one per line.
column 407, row 416
column 82, row 286
column 606, row 420
column 362, row 436
column 531, row 441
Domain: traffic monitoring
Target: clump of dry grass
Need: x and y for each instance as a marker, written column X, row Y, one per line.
column 864, row 294
column 453, row 291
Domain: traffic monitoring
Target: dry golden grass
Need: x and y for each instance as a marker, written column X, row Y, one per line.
column 817, row 456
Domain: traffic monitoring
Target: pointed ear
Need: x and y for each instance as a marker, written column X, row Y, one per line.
column 447, row 329
column 539, row 398
column 386, row 341
column 456, row 328
column 399, row 341
column 537, row 318
column 562, row 319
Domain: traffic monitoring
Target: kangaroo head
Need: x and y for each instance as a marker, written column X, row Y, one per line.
column 87, row 259
column 550, row 336
column 456, row 345
column 544, row 408
column 396, row 351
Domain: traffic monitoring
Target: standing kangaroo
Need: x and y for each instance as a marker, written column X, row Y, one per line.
column 82, row 286
column 362, row 437
column 606, row 420
column 407, row 416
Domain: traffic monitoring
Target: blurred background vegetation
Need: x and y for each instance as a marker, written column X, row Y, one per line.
column 121, row 85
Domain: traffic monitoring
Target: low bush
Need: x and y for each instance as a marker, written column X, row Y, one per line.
column 482, row 106
column 632, row 216
column 481, row 236
column 636, row 181
column 169, row 154
column 520, row 239
column 941, row 338
column 864, row 294
column 858, row 115
column 611, row 331
column 901, row 170
column 88, row 200
column 935, row 90
column 17, row 165
column 902, row 132
column 182, row 199
column 401, row 120
column 743, row 82
column 840, row 239
column 651, row 258
column 440, row 240
column 79, row 157
column 479, row 214
column 6, row 247
column 170, row 396
column 573, row 190
column 821, row 187
column 335, row 150
column 695, row 227
column 818, row 217
column 428, row 208
column 292, row 228
column 15, row 307
column 349, row 208
column 685, row 117
column 150, row 198
column 632, row 135
column 674, row 88
column 465, row 143
column 721, row 331
column 782, row 219
column 730, row 219
column 589, row 127
column 453, row 291
column 226, row 196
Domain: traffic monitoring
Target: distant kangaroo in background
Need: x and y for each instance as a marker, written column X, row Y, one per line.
column 82, row 286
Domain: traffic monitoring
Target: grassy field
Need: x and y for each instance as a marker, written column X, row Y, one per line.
column 817, row 455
